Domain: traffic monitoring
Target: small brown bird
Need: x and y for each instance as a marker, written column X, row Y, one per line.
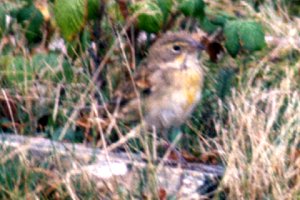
column 167, row 85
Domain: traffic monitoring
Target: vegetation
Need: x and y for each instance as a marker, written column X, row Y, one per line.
column 60, row 58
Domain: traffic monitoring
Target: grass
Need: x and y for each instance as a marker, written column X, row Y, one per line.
column 259, row 143
column 259, row 139
column 249, row 115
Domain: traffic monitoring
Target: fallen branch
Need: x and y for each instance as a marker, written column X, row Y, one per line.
column 194, row 180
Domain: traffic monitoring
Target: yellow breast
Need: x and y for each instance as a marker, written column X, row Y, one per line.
column 172, row 103
column 192, row 87
column 189, row 86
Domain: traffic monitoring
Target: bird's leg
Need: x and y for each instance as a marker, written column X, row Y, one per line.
column 173, row 136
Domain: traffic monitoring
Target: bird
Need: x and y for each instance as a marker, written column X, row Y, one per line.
column 166, row 86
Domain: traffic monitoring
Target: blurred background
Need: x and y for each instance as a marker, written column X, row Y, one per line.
column 60, row 59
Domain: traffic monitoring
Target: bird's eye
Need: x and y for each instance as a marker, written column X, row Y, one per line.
column 176, row 48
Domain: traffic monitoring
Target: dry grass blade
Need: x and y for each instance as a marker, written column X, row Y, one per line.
column 261, row 131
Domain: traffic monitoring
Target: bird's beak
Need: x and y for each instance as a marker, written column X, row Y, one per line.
column 201, row 46
column 198, row 45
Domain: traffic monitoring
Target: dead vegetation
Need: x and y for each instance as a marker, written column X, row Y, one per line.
column 253, row 130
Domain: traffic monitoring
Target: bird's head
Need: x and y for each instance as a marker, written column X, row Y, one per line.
column 174, row 50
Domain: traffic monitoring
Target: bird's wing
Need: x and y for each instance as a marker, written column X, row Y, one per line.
column 139, row 84
column 125, row 98
column 130, row 94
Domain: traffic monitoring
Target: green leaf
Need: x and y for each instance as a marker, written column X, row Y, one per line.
column 45, row 63
column 32, row 20
column 52, row 70
column 252, row 37
column 243, row 34
column 192, row 8
column 70, row 17
column 165, row 6
column 17, row 70
column 207, row 25
column 232, row 38
column 220, row 18
column 211, row 21
column 150, row 18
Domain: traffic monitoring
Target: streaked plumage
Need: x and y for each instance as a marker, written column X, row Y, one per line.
column 169, row 83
